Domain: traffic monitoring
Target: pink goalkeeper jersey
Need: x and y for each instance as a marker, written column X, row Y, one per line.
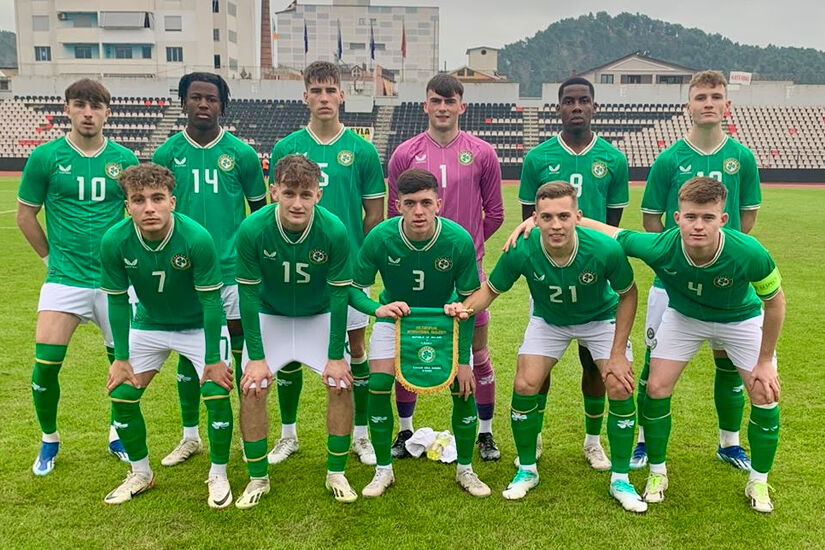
column 469, row 180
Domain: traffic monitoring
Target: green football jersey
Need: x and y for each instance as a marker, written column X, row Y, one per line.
column 81, row 198
column 731, row 163
column 166, row 275
column 294, row 270
column 211, row 183
column 725, row 290
column 599, row 173
column 350, row 172
column 422, row 274
column 581, row 291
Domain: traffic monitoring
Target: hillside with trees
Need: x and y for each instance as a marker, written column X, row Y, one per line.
column 591, row 40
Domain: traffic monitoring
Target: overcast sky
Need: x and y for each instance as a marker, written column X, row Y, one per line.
column 469, row 23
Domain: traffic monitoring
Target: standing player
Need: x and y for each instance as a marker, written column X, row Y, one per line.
column 574, row 276
column 295, row 274
column 75, row 178
column 214, row 171
column 424, row 261
column 353, row 188
column 470, row 177
column 599, row 173
column 705, row 151
column 717, row 281
column 171, row 262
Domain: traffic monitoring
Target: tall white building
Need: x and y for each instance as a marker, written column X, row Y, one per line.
column 137, row 38
column 358, row 21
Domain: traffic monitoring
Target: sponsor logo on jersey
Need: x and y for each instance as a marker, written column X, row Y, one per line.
column 587, row 277
column 426, row 354
column 270, row 255
column 554, row 169
column 226, row 163
column 444, row 263
column 64, row 169
column 130, row 264
column 537, row 277
column 113, row 170
column 218, row 425
column 722, row 281
column 625, row 424
column 180, row 162
column 345, row 158
column 731, row 166
column 393, row 261
column 317, row 256
column 378, row 419
column 517, row 416
column 421, row 158
column 599, row 169
column 468, row 419
column 465, row 158
column 685, row 169
column 179, row 261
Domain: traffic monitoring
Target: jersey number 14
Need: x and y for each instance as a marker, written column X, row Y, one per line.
column 210, row 177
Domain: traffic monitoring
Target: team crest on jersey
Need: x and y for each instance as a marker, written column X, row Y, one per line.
column 179, row 261
column 599, row 169
column 426, row 354
column 226, row 163
column 731, row 166
column 722, row 281
column 554, row 169
column 444, row 263
column 465, row 158
column 345, row 158
column 113, row 170
column 317, row 256
column 587, row 277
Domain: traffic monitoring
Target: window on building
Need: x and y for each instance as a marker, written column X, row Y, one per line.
column 379, row 47
column 631, row 79
column 173, row 23
column 233, row 37
column 82, row 51
column 216, row 35
column 231, row 9
column 174, row 54
column 40, row 22
column 123, row 52
column 42, row 53
column 146, row 52
column 606, row 79
column 670, row 79
column 4, row 85
column 357, row 46
column 233, row 64
column 216, row 6
column 217, row 61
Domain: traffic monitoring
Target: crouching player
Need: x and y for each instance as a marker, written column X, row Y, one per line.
column 582, row 288
column 294, row 275
column 717, row 281
column 424, row 260
column 171, row 262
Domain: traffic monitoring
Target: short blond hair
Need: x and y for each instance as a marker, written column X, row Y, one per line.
column 711, row 79
column 703, row 190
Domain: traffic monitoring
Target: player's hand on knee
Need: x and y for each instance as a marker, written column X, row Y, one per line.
column 254, row 375
column 466, row 382
column 218, row 373
column 765, row 380
column 120, row 371
column 337, row 375
column 523, row 229
column 620, row 369
column 393, row 310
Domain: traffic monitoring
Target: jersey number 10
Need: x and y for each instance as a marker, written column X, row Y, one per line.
column 98, row 191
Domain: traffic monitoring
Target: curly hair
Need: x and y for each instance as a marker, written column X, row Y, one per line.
column 151, row 175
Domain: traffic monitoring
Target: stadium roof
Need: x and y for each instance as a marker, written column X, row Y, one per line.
column 642, row 56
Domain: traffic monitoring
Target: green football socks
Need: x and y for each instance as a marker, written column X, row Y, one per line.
column 219, row 417
column 465, row 425
column 256, row 462
column 290, row 381
column 48, row 358
column 128, row 419
column 621, row 424
column 381, row 416
column 657, row 422
column 189, row 393
column 360, row 390
column 524, row 421
column 337, row 452
column 236, row 342
column 763, row 436
column 593, row 414
column 728, row 395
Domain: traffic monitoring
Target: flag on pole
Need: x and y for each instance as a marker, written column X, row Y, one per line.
column 340, row 43
column 372, row 42
column 403, row 41
column 306, row 39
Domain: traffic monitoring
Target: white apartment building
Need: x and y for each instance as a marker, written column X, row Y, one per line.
column 137, row 38
column 357, row 19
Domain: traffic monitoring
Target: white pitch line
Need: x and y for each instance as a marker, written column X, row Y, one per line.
column 8, row 211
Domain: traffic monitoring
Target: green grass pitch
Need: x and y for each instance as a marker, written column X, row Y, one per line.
column 705, row 506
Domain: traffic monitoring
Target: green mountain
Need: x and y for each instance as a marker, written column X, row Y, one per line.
column 591, row 40
column 8, row 49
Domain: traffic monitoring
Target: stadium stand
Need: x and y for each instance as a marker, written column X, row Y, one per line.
column 780, row 137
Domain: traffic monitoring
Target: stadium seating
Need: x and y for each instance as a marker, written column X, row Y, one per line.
column 780, row 137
